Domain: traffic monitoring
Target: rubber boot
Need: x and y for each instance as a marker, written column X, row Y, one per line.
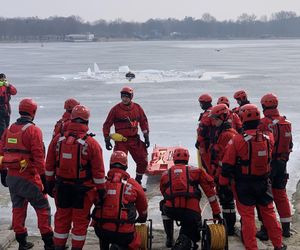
column 139, row 178
column 48, row 241
column 76, row 248
column 230, row 219
column 286, row 231
column 262, row 234
column 23, row 243
column 169, row 230
column 182, row 243
column 283, row 247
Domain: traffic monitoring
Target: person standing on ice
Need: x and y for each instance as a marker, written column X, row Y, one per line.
column 241, row 98
column 23, row 154
column 6, row 91
column 204, row 130
column 223, row 134
column 75, row 177
column 180, row 188
column 126, row 116
column 233, row 118
column 62, row 123
column 281, row 128
column 246, row 164
column 114, row 218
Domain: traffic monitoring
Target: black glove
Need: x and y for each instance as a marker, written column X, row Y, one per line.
column 108, row 145
column 101, row 195
column 3, row 177
column 147, row 142
column 141, row 219
column 197, row 144
column 50, row 187
column 43, row 179
column 217, row 216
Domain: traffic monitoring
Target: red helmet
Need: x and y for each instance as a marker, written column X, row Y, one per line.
column 269, row 101
column 205, row 98
column 249, row 112
column 118, row 157
column 223, row 99
column 220, row 111
column 29, row 106
column 127, row 90
column 80, row 111
column 70, row 103
column 181, row 154
column 241, row 94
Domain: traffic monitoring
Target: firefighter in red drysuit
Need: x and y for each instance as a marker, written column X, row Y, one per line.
column 6, row 91
column 282, row 132
column 241, row 98
column 180, row 189
column 63, row 122
column 114, row 219
column 204, row 130
column 75, row 174
column 247, row 163
column 224, row 133
column 23, row 154
column 233, row 118
column 126, row 116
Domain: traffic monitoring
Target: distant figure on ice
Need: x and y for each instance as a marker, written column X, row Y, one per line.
column 114, row 223
column 6, row 90
column 129, row 76
column 126, row 117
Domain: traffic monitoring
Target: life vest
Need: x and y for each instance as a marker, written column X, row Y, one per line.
column 257, row 162
column 282, row 131
column 60, row 126
column 15, row 153
column 180, row 184
column 69, row 165
column 117, row 207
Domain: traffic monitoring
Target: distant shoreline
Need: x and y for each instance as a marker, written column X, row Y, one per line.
column 100, row 40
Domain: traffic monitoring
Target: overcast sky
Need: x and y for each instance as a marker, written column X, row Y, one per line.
column 141, row 10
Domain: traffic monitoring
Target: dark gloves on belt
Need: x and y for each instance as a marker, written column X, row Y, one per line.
column 43, row 179
column 101, row 195
column 3, row 177
column 108, row 144
column 225, row 193
column 141, row 219
column 50, row 187
column 147, row 142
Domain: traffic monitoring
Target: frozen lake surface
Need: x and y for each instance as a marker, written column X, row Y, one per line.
column 169, row 78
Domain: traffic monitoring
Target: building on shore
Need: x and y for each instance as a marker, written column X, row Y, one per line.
column 80, row 37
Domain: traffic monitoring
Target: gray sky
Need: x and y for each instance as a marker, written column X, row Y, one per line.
column 141, row 10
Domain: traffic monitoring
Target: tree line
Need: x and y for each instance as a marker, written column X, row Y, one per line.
column 283, row 24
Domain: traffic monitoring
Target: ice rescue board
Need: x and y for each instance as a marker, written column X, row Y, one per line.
column 161, row 160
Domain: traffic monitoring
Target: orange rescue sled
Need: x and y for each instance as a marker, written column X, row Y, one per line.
column 161, row 160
